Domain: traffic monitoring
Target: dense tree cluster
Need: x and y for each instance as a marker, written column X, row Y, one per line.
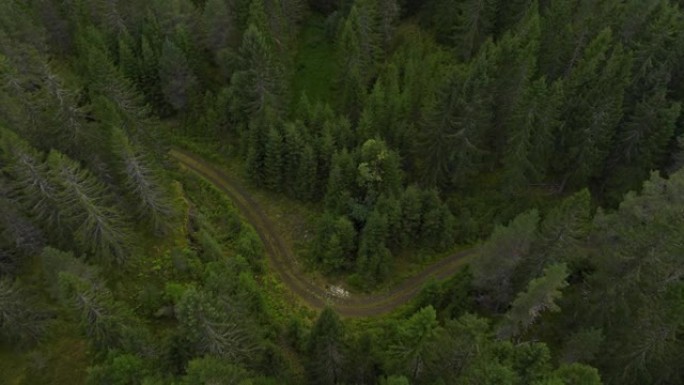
column 446, row 121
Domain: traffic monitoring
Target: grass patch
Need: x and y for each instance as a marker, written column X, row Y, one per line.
column 315, row 65
column 61, row 360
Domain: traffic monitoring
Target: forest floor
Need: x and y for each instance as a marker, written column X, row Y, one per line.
column 291, row 272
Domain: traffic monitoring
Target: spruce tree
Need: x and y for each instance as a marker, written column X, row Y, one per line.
column 144, row 184
column 500, row 255
column 219, row 25
column 541, row 296
column 595, row 92
column 258, row 83
column 273, row 160
column 325, row 349
column 178, row 81
column 87, row 206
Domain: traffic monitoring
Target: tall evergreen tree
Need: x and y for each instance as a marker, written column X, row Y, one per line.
column 595, row 92
column 541, row 296
column 258, row 83
column 144, row 183
column 87, row 206
column 326, row 349
column 177, row 79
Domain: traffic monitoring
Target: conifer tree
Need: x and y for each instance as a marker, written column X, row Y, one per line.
column 86, row 204
column 595, row 92
column 411, row 212
column 177, row 78
column 355, row 66
column 103, row 320
column 414, row 343
column 36, row 191
column 529, row 142
column 326, row 349
column 210, row 329
column 476, row 21
column 541, row 296
column 257, row 85
column 340, row 182
column 273, row 160
column 501, row 254
column 219, row 25
column 457, row 121
column 20, row 320
column 388, row 12
column 373, row 258
column 562, row 232
column 144, row 184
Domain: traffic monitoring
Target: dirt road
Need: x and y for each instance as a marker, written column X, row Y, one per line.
column 283, row 261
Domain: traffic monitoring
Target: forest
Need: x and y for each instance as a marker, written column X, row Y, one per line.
column 390, row 192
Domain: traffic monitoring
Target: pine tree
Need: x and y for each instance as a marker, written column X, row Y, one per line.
column 595, row 91
column 307, row 173
column 325, row 349
column 562, row 233
column 529, row 142
column 412, row 349
column 257, row 85
column 541, row 296
column 373, row 258
column 516, row 67
column 388, row 12
column 210, row 329
column 178, row 81
column 340, row 182
column 273, row 160
column 103, row 320
column 219, row 25
column 411, row 213
column 475, row 23
column 510, row 13
column 355, row 66
column 456, row 123
column 292, row 154
column 20, row 237
column 36, row 191
column 20, row 320
column 501, row 254
column 642, row 141
column 153, row 200
column 99, row 227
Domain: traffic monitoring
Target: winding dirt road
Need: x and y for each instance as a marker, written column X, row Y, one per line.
column 286, row 265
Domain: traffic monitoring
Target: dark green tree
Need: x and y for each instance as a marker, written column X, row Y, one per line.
column 326, row 353
column 145, row 184
column 20, row 319
column 541, row 296
column 99, row 226
column 595, row 91
column 178, row 82
column 500, row 255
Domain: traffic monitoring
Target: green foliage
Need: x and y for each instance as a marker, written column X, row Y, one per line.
column 325, row 349
column 144, row 183
column 500, row 255
column 413, row 343
column 21, row 321
column 119, row 369
column 547, row 108
column 541, row 296
column 210, row 370
column 176, row 76
column 99, row 227
column 209, row 329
